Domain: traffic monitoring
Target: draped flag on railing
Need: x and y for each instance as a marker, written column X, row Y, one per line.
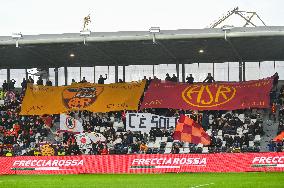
column 41, row 100
column 189, row 131
column 70, row 124
column 206, row 96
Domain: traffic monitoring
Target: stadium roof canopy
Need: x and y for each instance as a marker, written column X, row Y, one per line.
column 137, row 48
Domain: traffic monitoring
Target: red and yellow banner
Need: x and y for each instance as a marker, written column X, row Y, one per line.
column 41, row 100
column 205, row 96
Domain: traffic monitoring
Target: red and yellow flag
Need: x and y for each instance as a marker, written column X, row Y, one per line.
column 189, row 131
column 279, row 137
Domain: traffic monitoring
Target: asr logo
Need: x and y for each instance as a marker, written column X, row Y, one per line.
column 75, row 98
column 208, row 95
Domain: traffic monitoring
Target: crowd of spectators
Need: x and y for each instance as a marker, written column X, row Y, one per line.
column 237, row 131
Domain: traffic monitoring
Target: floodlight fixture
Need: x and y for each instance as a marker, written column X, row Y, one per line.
column 85, row 34
column 227, row 28
column 17, row 37
column 154, row 30
column 72, row 55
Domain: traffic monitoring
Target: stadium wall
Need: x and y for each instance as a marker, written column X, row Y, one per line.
column 156, row 163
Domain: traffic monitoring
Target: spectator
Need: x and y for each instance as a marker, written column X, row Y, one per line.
column 30, row 80
column 24, row 84
column 168, row 78
column 83, row 80
column 102, row 79
column 104, row 151
column 174, row 78
column 175, row 149
column 189, row 79
column 48, row 83
column 39, row 81
column 275, row 80
column 5, row 86
column 120, row 81
column 11, row 84
column 209, row 78
column 143, row 147
column 73, row 81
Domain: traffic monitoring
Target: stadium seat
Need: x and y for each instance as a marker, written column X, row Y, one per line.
column 164, row 139
column 150, row 145
column 158, row 139
column 205, row 150
column 155, row 151
column 257, row 138
column 168, row 150
column 186, row 150
column 149, row 151
column 156, row 144
column 169, row 145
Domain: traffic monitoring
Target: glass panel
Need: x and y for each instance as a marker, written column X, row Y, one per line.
column 52, row 76
column 252, row 71
column 137, row 72
column 221, row 71
column 88, row 73
column 234, row 71
column 266, row 69
column 192, row 69
column 161, row 70
column 103, row 70
column 61, row 78
column 3, row 76
column 120, row 72
column 204, row 69
column 279, row 67
column 17, row 75
column 73, row 73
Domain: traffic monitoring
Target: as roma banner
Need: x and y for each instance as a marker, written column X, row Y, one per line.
column 205, row 96
column 41, row 100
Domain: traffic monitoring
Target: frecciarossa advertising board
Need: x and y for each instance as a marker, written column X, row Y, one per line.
column 160, row 163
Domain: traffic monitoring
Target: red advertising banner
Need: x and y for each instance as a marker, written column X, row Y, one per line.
column 205, row 96
column 159, row 163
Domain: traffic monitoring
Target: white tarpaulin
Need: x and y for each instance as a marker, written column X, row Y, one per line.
column 70, row 124
column 84, row 140
column 145, row 121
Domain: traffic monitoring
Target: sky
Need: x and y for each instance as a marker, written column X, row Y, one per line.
column 66, row 16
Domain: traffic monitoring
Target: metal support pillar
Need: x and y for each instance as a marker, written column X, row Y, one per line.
column 27, row 74
column 80, row 74
column 177, row 70
column 213, row 72
column 244, row 71
column 8, row 75
column 116, row 73
column 228, row 71
column 56, row 76
column 66, row 76
column 183, row 72
column 123, row 73
column 240, row 72
column 153, row 70
column 94, row 74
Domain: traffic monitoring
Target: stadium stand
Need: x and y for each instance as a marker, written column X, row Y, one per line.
column 230, row 131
